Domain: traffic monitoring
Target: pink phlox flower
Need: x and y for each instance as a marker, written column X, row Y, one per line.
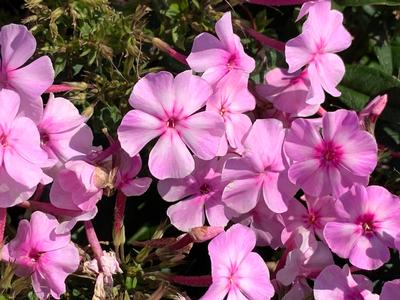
column 334, row 283
column 366, row 227
column 166, row 107
column 231, row 100
column 126, row 179
column 261, row 174
column 236, row 271
column 330, row 158
column 299, row 290
column 289, row 92
column 21, row 158
column 322, row 36
column 39, row 252
column 200, row 194
column 391, row 290
column 17, row 46
column 317, row 212
column 63, row 132
column 307, row 5
column 216, row 57
column 304, row 257
column 266, row 224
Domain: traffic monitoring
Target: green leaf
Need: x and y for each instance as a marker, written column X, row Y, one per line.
column 367, row 2
column 360, row 83
column 384, row 55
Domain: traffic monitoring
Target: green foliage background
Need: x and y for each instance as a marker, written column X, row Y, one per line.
column 103, row 47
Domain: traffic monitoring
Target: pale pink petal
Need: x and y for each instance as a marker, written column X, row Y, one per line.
column 9, row 101
column 206, row 59
column 242, row 195
column 215, row 73
column 340, row 125
column 299, row 51
column 136, row 187
column 369, row 253
column 176, row 189
column 237, row 125
column 217, row 290
column 202, row 133
column 12, row 192
column 188, row 86
column 17, row 46
column 33, row 79
column 272, row 194
column 331, row 284
column 187, row 214
column 237, row 168
column 137, row 129
column 254, row 278
column 154, row 94
column 205, row 41
column 342, row 237
column 215, row 211
column 170, row 157
column 224, row 31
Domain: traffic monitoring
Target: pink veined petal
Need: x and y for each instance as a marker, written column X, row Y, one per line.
column 237, row 168
column 254, row 278
column 176, row 189
column 20, row 245
column 391, row 290
column 137, row 129
column 17, row 46
column 14, row 163
column 342, row 237
column 242, row 195
column 331, row 284
column 187, row 214
column 9, row 101
column 24, row 139
column 202, row 133
column 340, row 125
column 237, row 126
column 225, row 253
column 361, row 206
column 41, row 287
column 205, row 41
column 55, row 270
column 310, row 177
column 60, row 115
column 299, row 51
column 60, row 198
column 191, row 93
column 217, row 290
column 316, row 94
column 215, row 211
column 170, row 157
column 43, row 236
column 154, row 94
column 130, row 166
column 210, row 58
column 266, row 152
column 369, row 253
column 136, row 187
column 272, row 194
column 215, row 73
column 224, row 31
column 301, row 140
column 330, row 69
column 33, row 79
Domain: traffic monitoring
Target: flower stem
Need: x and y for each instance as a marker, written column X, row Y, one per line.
column 94, row 242
column 196, row 281
column 49, row 208
column 3, row 221
column 119, row 230
column 266, row 41
column 98, row 157
column 164, row 47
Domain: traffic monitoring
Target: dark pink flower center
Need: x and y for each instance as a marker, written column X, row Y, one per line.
column 367, row 222
column 34, row 256
column 3, row 140
column 329, row 154
column 205, row 189
column 44, row 138
column 171, row 123
column 3, row 79
column 231, row 62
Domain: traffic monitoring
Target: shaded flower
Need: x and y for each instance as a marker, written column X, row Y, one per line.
column 391, row 290
column 39, row 252
column 236, row 271
column 216, row 57
column 166, row 107
column 330, row 158
column 17, row 46
column 366, row 227
column 200, row 193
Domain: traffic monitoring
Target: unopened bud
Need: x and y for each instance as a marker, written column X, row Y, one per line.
column 370, row 114
column 204, row 233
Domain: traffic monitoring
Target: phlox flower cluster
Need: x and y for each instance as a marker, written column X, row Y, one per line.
column 297, row 179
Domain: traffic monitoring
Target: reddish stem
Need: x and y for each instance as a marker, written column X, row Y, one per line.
column 321, row 111
column 38, row 193
column 3, row 221
column 266, row 41
column 163, row 46
column 277, row 2
column 94, row 242
column 197, row 281
column 184, row 241
column 119, row 212
column 98, row 157
column 49, row 208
